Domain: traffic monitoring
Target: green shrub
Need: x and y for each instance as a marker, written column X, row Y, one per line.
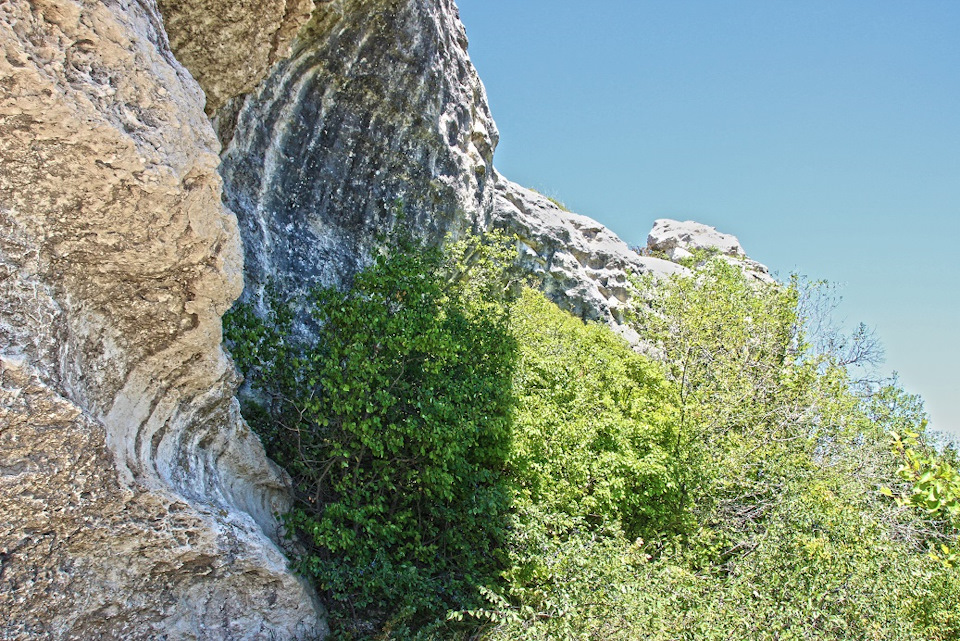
column 472, row 465
column 595, row 471
column 780, row 529
column 395, row 425
column 595, row 427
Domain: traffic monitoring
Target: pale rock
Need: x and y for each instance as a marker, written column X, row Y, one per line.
column 583, row 266
column 85, row 556
column 690, row 235
column 135, row 502
column 677, row 254
column 228, row 45
column 678, row 240
column 377, row 112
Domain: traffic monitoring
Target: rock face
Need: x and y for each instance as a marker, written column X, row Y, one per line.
column 678, row 240
column 583, row 264
column 135, row 501
column 228, row 45
column 85, row 557
column 377, row 111
column 672, row 234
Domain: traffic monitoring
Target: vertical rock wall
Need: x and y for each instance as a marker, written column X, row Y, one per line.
column 378, row 110
column 134, row 499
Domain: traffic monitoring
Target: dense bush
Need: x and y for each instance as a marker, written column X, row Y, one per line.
column 395, row 424
column 595, row 470
column 470, row 464
column 595, row 429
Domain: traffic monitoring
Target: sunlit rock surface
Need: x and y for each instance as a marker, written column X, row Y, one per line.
column 583, row 265
column 670, row 234
column 134, row 501
column 679, row 240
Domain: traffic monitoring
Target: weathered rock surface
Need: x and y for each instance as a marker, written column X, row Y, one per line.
column 689, row 235
column 228, row 45
column 377, row 111
column 584, row 265
column 135, row 502
column 83, row 556
column 678, row 240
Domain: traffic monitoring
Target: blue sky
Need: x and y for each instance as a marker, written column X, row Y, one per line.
column 825, row 134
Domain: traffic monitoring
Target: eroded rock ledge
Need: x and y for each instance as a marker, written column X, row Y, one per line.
column 228, row 45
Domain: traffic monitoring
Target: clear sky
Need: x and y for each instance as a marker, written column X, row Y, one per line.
column 825, row 134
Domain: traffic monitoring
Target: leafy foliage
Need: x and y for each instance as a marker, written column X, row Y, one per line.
column 931, row 484
column 595, row 427
column 594, row 465
column 474, row 464
column 787, row 534
column 395, row 425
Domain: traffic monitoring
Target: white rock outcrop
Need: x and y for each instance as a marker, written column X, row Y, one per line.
column 689, row 235
column 583, row 265
column 678, row 240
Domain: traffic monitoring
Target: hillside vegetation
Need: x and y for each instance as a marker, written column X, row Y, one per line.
column 469, row 461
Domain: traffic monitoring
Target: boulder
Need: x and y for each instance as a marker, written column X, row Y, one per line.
column 690, row 235
column 678, row 240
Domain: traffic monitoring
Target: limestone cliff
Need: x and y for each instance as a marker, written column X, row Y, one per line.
column 135, row 502
column 377, row 111
column 380, row 111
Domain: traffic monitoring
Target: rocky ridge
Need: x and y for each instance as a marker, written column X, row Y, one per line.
column 583, row 266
